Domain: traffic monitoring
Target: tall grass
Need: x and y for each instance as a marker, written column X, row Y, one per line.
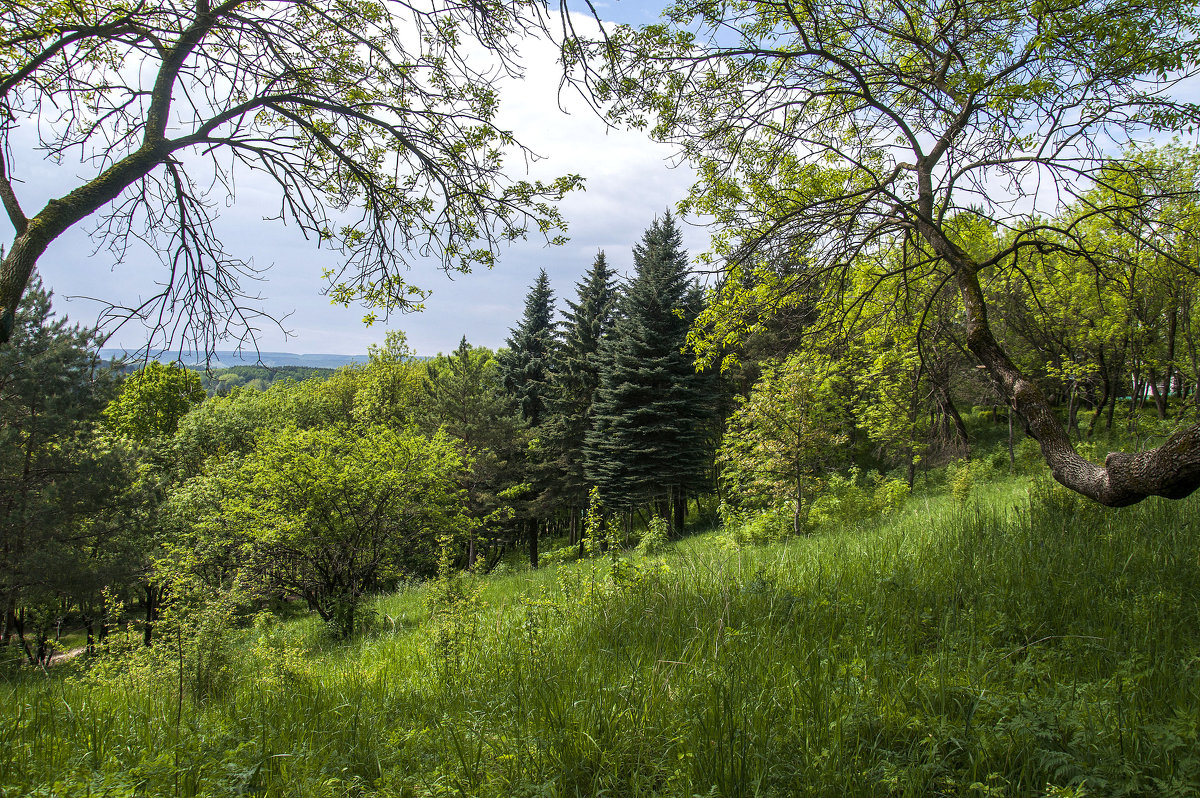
column 1019, row 643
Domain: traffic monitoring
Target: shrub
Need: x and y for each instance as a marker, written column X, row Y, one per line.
column 890, row 495
column 962, row 480
column 767, row 526
column 654, row 539
column 843, row 501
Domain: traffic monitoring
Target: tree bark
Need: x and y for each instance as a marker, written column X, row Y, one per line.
column 1105, row 389
column 58, row 216
column 1160, row 399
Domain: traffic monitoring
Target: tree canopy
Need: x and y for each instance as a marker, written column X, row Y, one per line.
column 378, row 137
column 153, row 400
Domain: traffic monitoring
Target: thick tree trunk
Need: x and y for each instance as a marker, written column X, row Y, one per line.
column 533, row 543
column 1172, row 470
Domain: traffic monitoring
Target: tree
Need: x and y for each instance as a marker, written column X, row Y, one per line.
column 832, row 129
column 464, row 401
column 791, row 425
column 525, row 366
column 378, row 136
column 390, row 388
column 651, row 435
column 153, row 400
column 574, row 381
column 329, row 515
column 57, row 481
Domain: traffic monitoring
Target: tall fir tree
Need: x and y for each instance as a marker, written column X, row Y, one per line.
column 525, row 365
column 525, row 370
column 573, row 383
column 652, row 432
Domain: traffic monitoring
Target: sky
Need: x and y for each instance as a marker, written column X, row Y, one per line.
column 629, row 181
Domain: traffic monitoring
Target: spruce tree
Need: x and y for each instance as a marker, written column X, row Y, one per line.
column 652, row 429
column 525, row 365
column 525, row 368
column 574, row 381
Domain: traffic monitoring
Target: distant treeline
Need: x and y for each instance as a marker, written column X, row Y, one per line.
column 219, row 382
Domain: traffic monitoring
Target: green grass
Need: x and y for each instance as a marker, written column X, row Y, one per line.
column 1020, row 643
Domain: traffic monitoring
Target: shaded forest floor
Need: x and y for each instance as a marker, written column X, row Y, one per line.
column 1010, row 640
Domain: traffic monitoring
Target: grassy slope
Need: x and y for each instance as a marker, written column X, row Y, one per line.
column 1001, row 647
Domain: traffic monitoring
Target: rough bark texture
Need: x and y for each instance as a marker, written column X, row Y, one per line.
column 1172, row 470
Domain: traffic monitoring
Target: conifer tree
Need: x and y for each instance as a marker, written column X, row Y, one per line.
column 525, row 368
column 525, row 365
column 574, row 381
column 463, row 398
column 60, row 487
column 652, row 430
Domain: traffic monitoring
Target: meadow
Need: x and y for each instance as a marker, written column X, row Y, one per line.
column 1005, row 638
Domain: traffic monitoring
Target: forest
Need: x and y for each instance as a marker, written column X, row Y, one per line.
column 887, row 493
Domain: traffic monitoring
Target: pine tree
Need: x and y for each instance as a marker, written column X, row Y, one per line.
column 652, row 432
column 525, row 365
column 573, row 383
column 60, row 487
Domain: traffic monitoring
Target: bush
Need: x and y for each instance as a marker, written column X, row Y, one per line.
column 654, row 539
column 557, row 556
column 961, row 474
column 890, row 495
column 756, row 529
column 843, row 501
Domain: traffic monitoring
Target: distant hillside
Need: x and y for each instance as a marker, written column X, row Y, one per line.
column 218, row 382
column 228, row 359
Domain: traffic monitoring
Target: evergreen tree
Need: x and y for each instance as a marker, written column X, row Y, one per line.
column 463, row 398
column 651, row 437
column 525, row 371
column 59, row 485
column 574, row 381
column 525, row 365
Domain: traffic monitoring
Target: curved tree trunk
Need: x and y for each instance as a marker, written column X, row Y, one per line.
column 1172, row 470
